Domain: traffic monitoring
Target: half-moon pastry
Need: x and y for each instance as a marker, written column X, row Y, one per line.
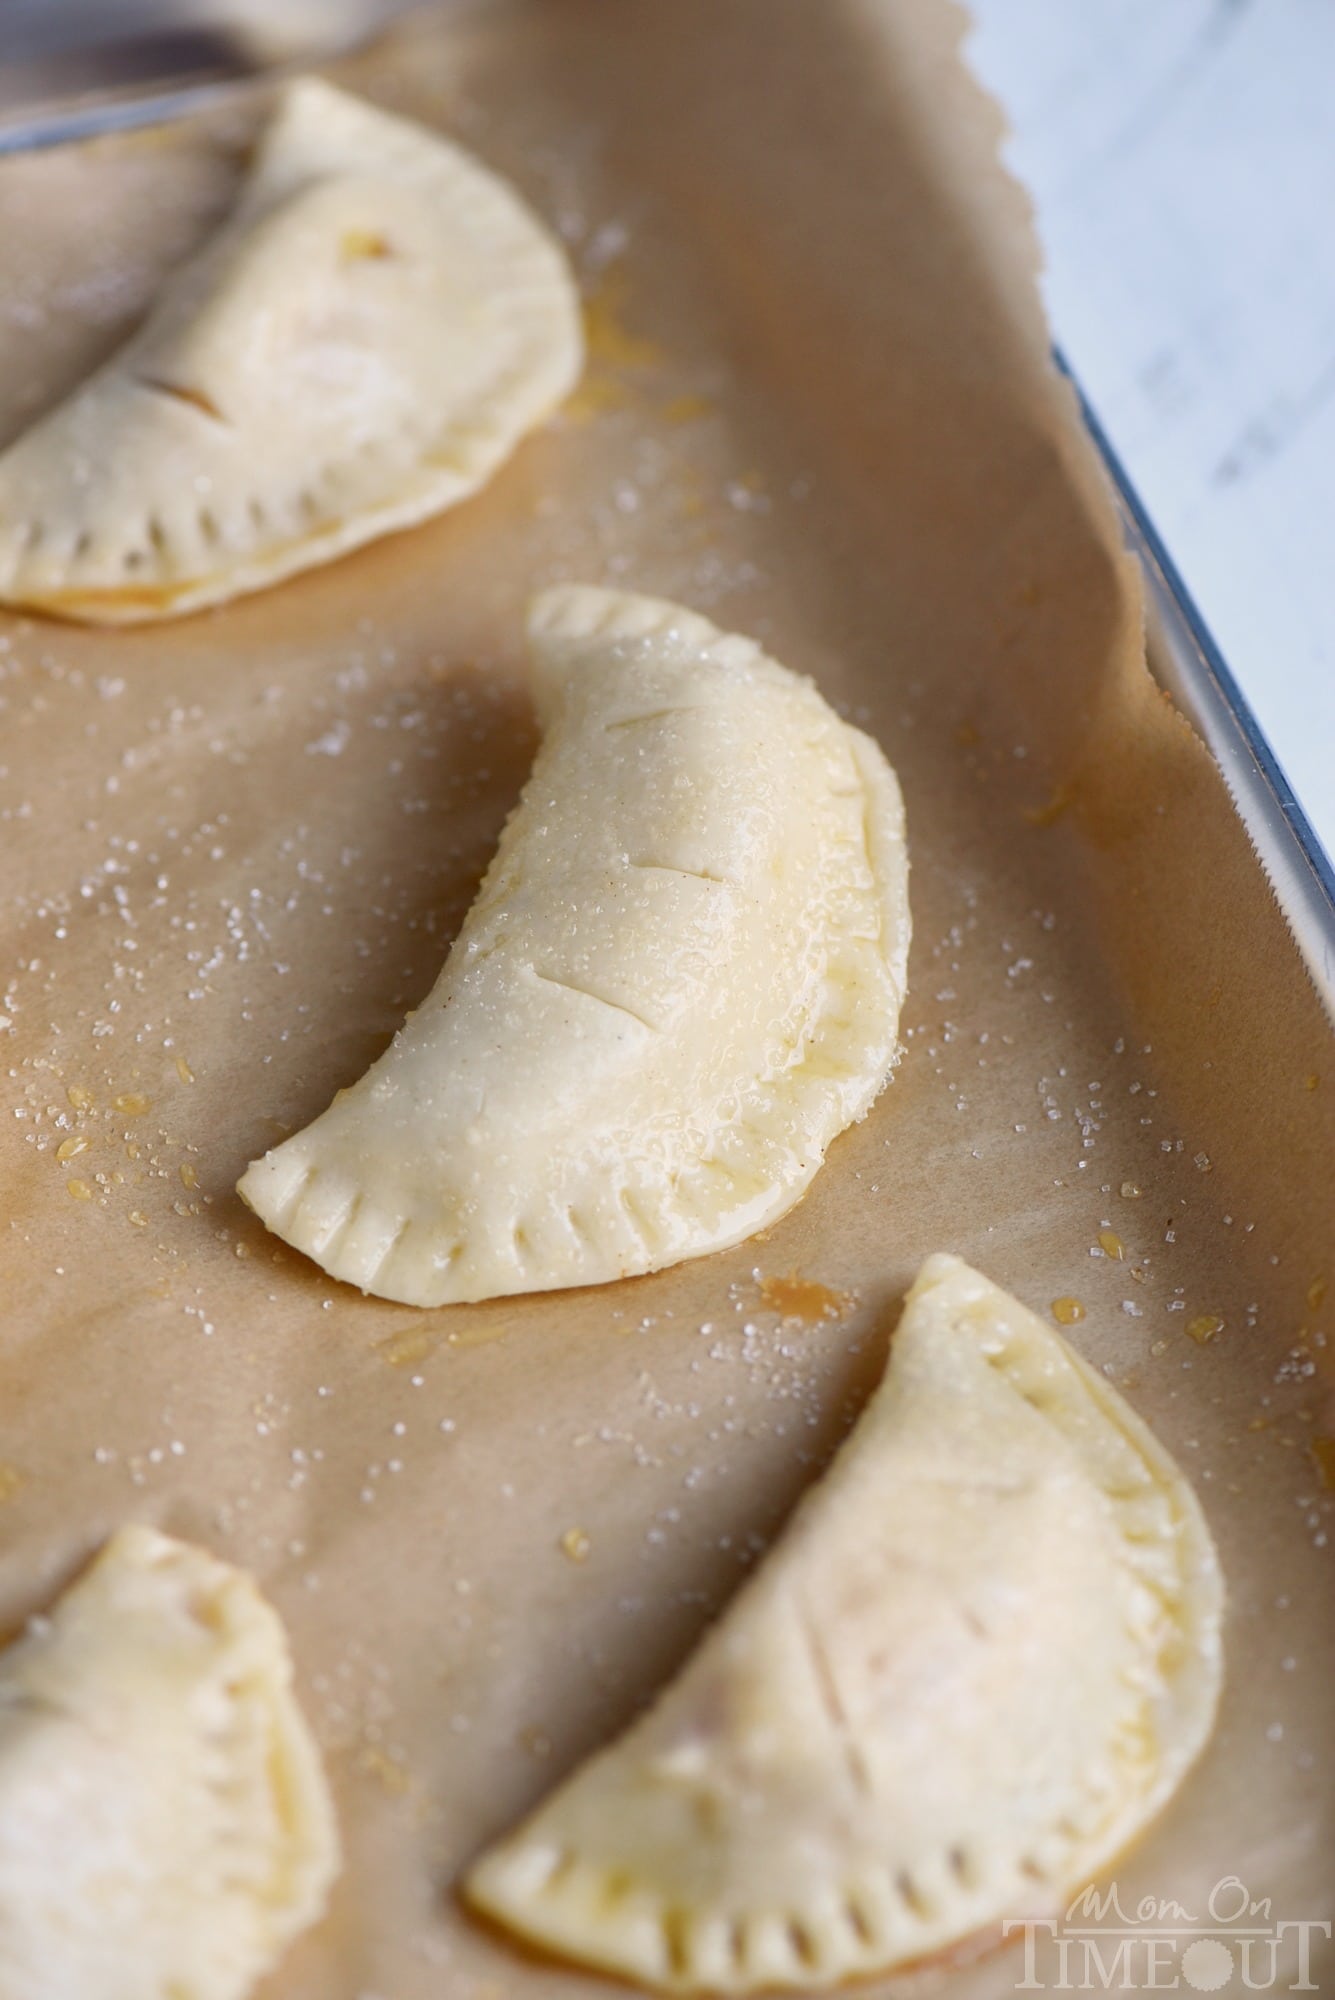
column 165, row 1827
column 366, row 338
column 680, row 981
column 977, row 1662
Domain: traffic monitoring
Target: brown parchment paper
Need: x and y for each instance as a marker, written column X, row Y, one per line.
column 235, row 849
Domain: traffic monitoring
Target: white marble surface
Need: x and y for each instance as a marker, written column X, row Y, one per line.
column 1182, row 157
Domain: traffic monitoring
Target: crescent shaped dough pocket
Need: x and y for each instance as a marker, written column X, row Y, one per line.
column 165, row 1829
column 980, row 1658
column 680, row 981
column 362, row 343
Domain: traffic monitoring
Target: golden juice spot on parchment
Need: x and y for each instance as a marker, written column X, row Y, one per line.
column 79, row 1190
column 806, row 1299
column 80, row 1098
column 476, row 1336
column 609, row 341
column 1322, row 1450
column 184, row 1071
column 69, row 1149
column 747, row 486
column 686, row 409
column 1204, row 1328
column 1063, row 798
column 401, row 1350
column 595, row 395
column 1316, row 1293
column 691, row 500
column 390, row 1774
column 612, row 351
column 1111, row 1244
column 11, row 1479
column 575, row 1544
column 1068, row 1311
column 131, row 1104
column 1131, row 1191
column 189, row 1178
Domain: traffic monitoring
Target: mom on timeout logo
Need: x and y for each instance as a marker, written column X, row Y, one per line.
column 1235, row 1945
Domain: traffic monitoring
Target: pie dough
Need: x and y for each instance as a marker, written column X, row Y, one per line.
column 165, row 1829
column 979, row 1660
column 363, row 342
column 680, row 980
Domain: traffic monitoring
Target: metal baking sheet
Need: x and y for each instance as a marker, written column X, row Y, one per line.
column 1185, row 658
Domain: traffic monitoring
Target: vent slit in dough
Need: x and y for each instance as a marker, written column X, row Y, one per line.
column 828, row 1686
column 759, row 955
column 670, row 868
column 599, row 999
column 938, row 1702
column 194, row 399
column 165, row 1827
column 662, row 715
column 320, row 398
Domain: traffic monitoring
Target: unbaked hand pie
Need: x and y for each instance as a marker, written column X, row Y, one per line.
column 680, row 981
column 165, row 1828
column 362, row 343
column 979, row 1659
